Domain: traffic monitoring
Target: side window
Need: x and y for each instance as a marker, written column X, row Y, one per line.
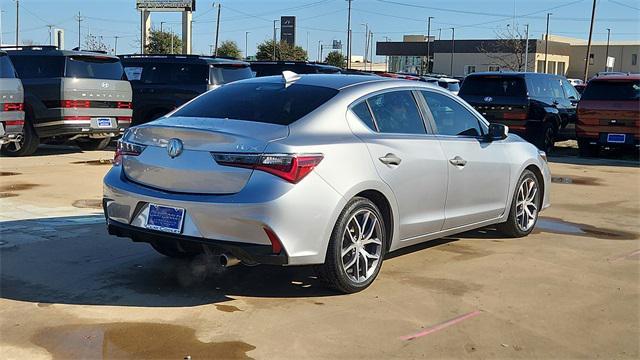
column 570, row 90
column 38, row 67
column 556, row 89
column 397, row 112
column 450, row 117
column 363, row 113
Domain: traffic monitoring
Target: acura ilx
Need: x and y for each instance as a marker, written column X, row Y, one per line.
column 334, row 171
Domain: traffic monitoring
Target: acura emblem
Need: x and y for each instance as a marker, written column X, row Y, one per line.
column 488, row 99
column 174, row 147
column 105, row 84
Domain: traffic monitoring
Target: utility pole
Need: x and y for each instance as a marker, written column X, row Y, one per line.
column 453, row 47
column 1, row 12
column 439, row 33
column 546, row 44
column 429, row 43
column 246, row 45
column 50, row 31
column 161, row 23
column 217, row 29
column 79, row 19
column 586, row 59
column 366, row 44
column 526, row 48
column 606, row 57
column 273, row 57
column 349, row 36
column 17, row 22
column 319, row 51
column 307, row 42
column 115, row 45
column 371, row 52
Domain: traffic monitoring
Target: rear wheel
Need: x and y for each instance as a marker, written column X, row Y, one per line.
column 585, row 149
column 172, row 249
column 89, row 144
column 25, row 147
column 525, row 206
column 356, row 248
column 545, row 137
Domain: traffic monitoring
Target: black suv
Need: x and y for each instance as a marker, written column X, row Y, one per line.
column 162, row 83
column 539, row 107
column 70, row 95
column 268, row 68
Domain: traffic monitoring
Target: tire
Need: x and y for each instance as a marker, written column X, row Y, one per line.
column 353, row 272
column 172, row 250
column 27, row 146
column 513, row 226
column 545, row 137
column 93, row 144
column 585, row 149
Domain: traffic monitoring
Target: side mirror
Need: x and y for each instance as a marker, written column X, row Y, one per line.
column 497, row 132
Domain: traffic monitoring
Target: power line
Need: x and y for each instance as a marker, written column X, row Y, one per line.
column 625, row 5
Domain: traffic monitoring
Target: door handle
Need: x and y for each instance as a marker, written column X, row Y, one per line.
column 458, row 161
column 390, row 159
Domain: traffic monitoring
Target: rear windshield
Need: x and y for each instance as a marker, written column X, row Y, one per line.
column 260, row 102
column 38, row 67
column 229, row 73
column 6, row 69
column 612, row 90
column 167, row 73
column 494, row 86
column 451, row 86
column 93, row 67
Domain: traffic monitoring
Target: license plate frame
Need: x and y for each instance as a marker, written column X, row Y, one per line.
column 616, row 138
column 165, row 218
column 105, row 122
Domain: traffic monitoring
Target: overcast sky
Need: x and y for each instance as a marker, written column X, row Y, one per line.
column 323, row 20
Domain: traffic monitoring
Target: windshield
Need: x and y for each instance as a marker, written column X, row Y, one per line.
column 494, row 86
column 228, row 73
column 94, row 67
column 612, row 90
column 261, row 102
column 6, row 69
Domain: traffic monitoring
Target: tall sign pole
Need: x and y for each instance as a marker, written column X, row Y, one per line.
column 586, row 58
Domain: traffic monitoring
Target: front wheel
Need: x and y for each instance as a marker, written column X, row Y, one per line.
column 525, row 206
column 356, row 248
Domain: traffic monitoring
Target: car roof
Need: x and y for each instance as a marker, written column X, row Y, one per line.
column 309, row 63
column 47, row 50
column 176, row 58
column 333, row 81
column 510, row 73
column 616, row 77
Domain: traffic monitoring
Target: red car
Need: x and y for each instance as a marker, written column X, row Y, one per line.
column 609, row 114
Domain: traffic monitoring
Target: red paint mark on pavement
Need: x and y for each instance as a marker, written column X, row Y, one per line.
column 443, row 325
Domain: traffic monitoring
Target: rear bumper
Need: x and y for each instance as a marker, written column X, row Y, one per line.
column 12, row 132
column 79, row 127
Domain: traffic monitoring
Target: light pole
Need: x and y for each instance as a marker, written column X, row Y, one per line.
column 348, row 36
column 586, row 59
column 18, row 23
column 453, row 47
column 273, row 57
column 217, row 31
column 606, row 57
column 429, row 43
column 246, row 45
column 546, row 44
column 526, row 48
column 161, row 23
column 319, row 51
column 439, row 33
column 115, row 45
column 366, row 44
column 386, row 58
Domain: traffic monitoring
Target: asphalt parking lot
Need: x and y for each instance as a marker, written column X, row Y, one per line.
column 69, row 290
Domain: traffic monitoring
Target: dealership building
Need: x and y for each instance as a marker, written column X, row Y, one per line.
column 564, row 56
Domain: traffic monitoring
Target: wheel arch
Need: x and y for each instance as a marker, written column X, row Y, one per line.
column 383, row 204
column 537, row 172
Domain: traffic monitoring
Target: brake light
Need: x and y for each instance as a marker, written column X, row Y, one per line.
column 124, row 105
column 290, row 167
column 13, row 107
column 76, row 103
column 515, row 116
column 126, row 148
column 14, row 123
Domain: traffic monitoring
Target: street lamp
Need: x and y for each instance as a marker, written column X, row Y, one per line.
column 246, row 45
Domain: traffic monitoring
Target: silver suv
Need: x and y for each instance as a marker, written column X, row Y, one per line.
column 71, row 95
column 11, row 104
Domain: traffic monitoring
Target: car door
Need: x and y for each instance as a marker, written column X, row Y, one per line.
column 407, row 158
column 570, row 102
column 478, row 170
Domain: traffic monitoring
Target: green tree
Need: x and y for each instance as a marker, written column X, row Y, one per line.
column 160, row 43
column 284, row 51
column 335, row 58
column 229, row 49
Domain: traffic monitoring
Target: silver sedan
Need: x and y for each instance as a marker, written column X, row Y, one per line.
column 330, row 170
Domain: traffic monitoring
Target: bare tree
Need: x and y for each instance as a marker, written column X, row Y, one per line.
column 508, row 49
column 95, row 43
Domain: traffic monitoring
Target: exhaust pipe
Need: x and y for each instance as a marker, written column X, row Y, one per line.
column 228, row 260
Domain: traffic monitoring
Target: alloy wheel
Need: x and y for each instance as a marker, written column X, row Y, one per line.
column 361, row 249
column 527, row 204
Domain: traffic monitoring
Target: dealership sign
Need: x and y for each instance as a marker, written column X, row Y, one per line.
column 166, row 5
column 288, row 29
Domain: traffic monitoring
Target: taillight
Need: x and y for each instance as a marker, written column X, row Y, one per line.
column 276, row 244
column 13, row 107
column 514, row 116
column 123, row 105
column 290, row 167
column 76, row 103
column 126, row 148
column 14, row 123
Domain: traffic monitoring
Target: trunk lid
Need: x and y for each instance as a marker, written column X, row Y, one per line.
column 194, row 170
